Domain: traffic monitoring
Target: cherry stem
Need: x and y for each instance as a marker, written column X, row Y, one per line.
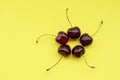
column 54, row 64
column 43, row 36
column 87, row 63
column 98, row 28
column 68, row 17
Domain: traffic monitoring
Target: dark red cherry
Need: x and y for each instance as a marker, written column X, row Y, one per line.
column 85, row 39
column 62, row 37
column 78, row 51
column 64, row 50
column 74, row 32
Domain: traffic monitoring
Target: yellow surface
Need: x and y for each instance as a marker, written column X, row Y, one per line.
column 22, row 21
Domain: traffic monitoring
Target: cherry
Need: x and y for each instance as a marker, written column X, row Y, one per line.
column 74, row 32
column 62, row 38
column 64, row 50
column 85, row 39
column 78, row 51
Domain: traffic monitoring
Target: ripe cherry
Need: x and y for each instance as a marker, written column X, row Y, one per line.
column 62, row 38
column 85, row 39
column 64, row 50
column 74, row 32
column 78, row 51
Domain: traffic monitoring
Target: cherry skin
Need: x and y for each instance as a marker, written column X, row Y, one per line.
column 62, row 38
column 74, row 32
column 78, row 51
column 64, row 50
column 85, row 39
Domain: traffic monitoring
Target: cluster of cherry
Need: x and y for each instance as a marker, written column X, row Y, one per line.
column 73, row 33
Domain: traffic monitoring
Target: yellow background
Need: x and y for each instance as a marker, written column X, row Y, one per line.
column 22, row 21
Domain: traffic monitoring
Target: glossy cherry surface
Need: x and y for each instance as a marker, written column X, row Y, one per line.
column 74, row 32
column 85, row 39
column 62, row 38
column 64, row 50
column 78, row 51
